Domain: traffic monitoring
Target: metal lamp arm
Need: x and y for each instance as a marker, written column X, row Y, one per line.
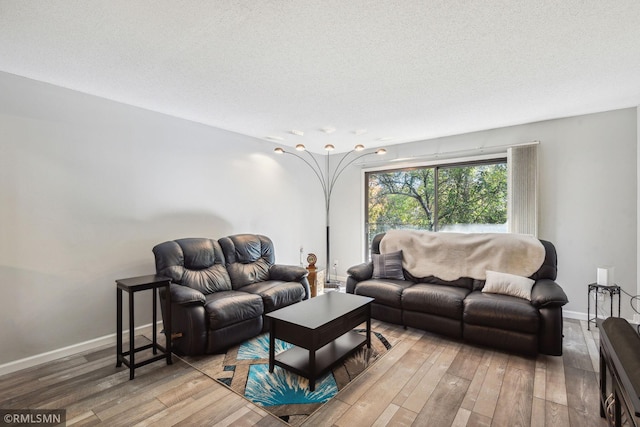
column 340, row 162
column 339, row 172
column 316, row 171
column 327, row 182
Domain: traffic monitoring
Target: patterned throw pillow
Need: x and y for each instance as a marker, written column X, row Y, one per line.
column 388, row 266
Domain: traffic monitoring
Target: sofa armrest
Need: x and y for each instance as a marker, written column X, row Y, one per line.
column 291, row 273
column 287, row 273
column 547, row 293
column 361, row 272
column 184, row 295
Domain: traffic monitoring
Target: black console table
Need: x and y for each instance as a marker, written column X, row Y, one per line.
column 619, row 372
column 131, row 286
column 613, row 290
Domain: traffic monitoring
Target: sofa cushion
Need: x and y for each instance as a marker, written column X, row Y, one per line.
column 194, row 262
column 508, row 284
column 212, row 279
column 387, row 266
column 501, row 312
column 245, row 274
column 386, row 292
column 229, row 307
column 249, row 257
column 441, row 300
column 276, row 294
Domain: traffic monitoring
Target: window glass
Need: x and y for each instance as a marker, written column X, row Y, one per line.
column 469, row 197
column 472, row 198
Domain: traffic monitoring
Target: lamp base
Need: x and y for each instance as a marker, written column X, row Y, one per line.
column 332, row 286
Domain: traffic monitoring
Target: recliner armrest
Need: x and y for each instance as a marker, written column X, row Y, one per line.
column 287, row 273
column 361, row 272
column 184, row 295
column 547, row 293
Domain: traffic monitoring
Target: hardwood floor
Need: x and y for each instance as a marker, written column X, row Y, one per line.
column 424, row 380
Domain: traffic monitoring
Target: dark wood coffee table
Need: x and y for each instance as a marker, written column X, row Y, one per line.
column 321, row 329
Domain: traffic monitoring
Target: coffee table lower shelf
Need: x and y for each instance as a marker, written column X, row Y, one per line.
column 296, row 359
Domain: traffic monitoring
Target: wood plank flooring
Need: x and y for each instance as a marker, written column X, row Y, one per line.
column 424, row 380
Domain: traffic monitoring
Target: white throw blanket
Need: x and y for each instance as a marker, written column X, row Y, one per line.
column 450, row 256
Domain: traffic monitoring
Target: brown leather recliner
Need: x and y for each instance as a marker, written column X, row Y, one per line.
column 221, row 289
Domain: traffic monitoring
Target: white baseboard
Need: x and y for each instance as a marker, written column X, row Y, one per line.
column 574, row 315
column 582, row 316
column 38, row 359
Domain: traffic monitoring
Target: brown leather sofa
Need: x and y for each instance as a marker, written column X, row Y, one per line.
column 460, row 309
column 221, row 289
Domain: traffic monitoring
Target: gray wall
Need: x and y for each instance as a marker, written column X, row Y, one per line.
column 588, row 196
column 89, row 186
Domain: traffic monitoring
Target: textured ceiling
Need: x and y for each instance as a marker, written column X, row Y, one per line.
column 404, row 69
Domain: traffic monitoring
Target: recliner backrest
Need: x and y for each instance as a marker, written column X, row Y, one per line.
column 194, row 262
column 249, row 257
column 549, row 268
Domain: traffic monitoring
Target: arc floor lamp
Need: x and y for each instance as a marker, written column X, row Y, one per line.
column 328, row 177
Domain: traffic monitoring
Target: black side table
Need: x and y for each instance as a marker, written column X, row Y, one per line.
column 594, row 287
column 133, row 285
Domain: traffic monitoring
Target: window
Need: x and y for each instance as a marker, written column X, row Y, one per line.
column 462, row 197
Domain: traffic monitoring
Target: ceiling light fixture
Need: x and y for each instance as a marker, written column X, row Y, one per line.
column 297, row 132
column 274, row 138
column 300, row 147
column 328, row 129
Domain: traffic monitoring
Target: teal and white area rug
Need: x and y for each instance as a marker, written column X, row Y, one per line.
column 245, row 369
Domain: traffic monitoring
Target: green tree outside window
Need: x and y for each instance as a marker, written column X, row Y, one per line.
column 464, row 197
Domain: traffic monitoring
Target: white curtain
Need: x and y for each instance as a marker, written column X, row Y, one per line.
column 522, row 189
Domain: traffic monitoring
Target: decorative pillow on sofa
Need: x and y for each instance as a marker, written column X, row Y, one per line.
column 508, row 284
column 388, row 266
